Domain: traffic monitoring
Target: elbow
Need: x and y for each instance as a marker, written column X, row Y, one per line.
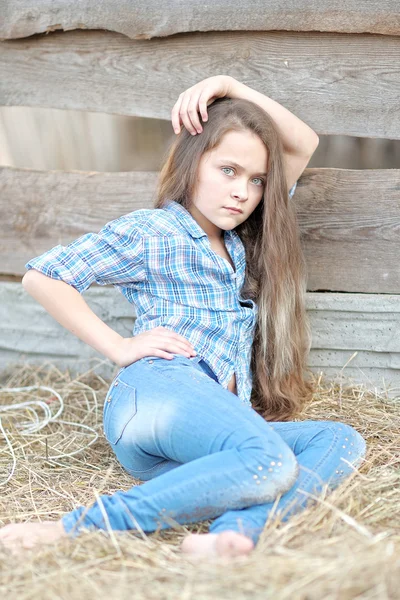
column 312, row 145
column 308, row 145
column 315, row 143
column 36, row 279
column 26, row 278
column 31, row 276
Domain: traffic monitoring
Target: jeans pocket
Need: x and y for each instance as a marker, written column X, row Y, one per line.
column 120, row 406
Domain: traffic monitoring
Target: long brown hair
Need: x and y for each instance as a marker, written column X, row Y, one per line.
column 275, row 275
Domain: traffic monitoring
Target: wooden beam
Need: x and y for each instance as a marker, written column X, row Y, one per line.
column 336, row 83
column 45, row 208
column 156, row 18
column 360, row 330
column 349, row 220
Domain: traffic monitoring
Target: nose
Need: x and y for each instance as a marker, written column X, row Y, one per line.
column 240, row 191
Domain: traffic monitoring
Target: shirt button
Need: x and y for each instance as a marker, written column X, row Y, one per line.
column 109, row 399
column 116, row 383
column 150, row 362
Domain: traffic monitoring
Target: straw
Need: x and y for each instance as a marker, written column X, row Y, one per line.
column 54, row 457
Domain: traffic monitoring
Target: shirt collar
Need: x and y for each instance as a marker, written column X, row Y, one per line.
column 186, row 219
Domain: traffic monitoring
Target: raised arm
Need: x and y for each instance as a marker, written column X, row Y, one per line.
column 299, row 140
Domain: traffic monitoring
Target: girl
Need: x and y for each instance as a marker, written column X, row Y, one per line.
column 202, row 407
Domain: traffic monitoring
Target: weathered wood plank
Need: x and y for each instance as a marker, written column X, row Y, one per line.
column 356, row 359
column 336, row 83
column 154, row 18
column 350, row 224
column 54, row 207
column 29, row 334
column 354, row 303
column 376, row 332
column 350, row 220
column 384, row 382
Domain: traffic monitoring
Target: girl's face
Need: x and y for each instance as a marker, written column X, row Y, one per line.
column 233, row 174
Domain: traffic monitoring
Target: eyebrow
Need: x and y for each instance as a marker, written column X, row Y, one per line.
column 235, row 164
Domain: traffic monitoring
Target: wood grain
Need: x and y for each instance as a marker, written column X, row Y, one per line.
column 155, row 18
column 349, row 220
column 44, row 208
column 350, row 225
column 337, row 83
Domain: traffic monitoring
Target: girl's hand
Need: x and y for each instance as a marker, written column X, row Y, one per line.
column 159, row 341
column 196, row 99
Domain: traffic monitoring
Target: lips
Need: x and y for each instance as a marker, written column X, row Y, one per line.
column 233, row 209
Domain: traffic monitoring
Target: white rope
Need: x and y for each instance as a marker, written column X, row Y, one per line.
column 12, row 454
column 34, row 407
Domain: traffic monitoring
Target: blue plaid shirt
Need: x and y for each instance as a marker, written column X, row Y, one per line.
column 162, row 262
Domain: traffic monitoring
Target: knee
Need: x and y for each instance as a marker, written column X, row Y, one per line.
column 351, row 443
column 271, row 473
column 344, row 440
column 287, row 476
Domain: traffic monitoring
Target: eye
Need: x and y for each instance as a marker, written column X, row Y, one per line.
column 227, row 169
column 260, row 180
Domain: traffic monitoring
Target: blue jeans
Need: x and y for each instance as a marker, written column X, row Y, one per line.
column 203, row 454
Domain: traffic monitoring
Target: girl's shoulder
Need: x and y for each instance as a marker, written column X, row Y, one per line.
column 147, row 221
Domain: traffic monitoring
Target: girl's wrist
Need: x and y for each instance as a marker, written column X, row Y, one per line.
column 113, row 349
column 236, row 89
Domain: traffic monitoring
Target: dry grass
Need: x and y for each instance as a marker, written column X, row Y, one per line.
column 346, row 546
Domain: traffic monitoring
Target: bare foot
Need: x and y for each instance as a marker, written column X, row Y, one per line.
column 18, row 536
column 226, row 543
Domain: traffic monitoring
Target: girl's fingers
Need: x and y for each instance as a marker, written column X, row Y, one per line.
column 195, row 100
column 193, row 111
column 162, row 354
column 204, row 97
column 175, row 346
column 175, row 114
column 185, row 116
column 167, row 351
column 177, row 349
column 186, row 111
column 177, row 339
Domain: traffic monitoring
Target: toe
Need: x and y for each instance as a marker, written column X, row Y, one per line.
column 233, row 544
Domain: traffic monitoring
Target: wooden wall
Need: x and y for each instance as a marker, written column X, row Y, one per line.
column 336, row 68
column 337, row 83
column 155, row 18
column 355, row 336
column 349, row 219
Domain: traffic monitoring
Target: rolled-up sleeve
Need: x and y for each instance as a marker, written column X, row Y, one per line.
column 111, row 257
